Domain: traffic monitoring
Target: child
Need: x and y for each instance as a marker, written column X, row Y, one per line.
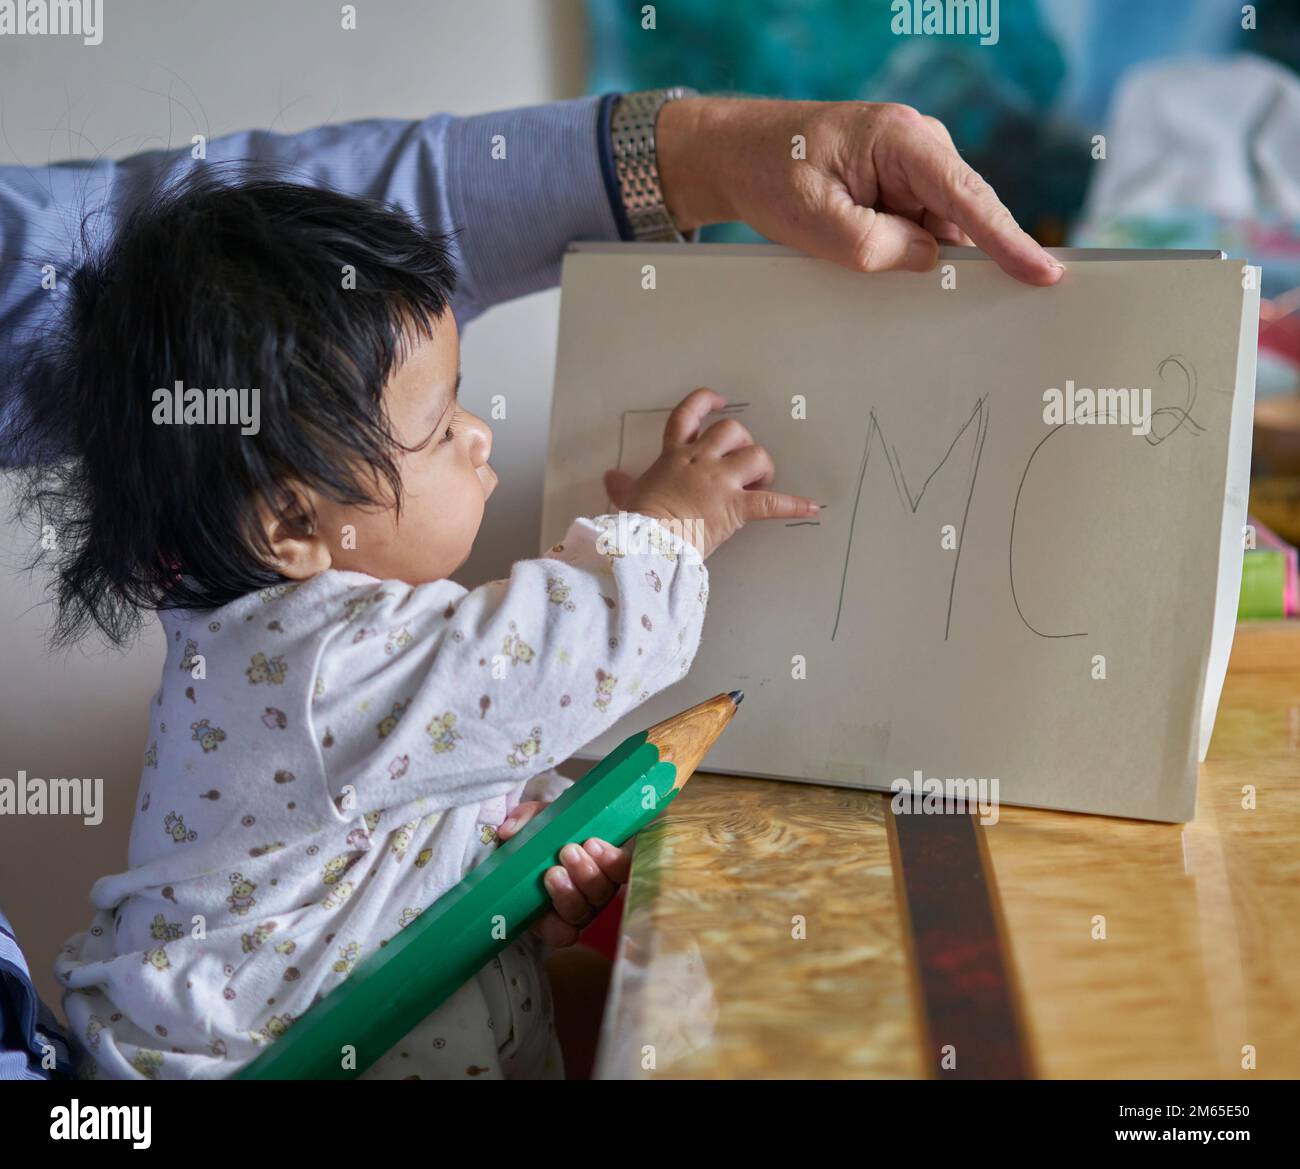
column 341, row 732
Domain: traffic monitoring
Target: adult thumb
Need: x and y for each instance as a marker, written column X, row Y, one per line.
column 867, row 240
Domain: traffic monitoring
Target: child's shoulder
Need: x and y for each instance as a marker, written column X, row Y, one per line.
column 307, row 608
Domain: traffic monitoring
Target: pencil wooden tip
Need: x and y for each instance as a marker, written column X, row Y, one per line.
column 685, row 739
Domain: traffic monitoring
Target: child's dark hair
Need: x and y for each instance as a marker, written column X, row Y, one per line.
column 220, row 280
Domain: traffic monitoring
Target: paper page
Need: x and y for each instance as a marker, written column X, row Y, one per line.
column 987, row 594
column 1236, row 499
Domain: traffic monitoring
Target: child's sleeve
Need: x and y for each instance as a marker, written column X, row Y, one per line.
column 450, row 698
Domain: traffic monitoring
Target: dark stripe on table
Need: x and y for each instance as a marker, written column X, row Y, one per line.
column 965, row 988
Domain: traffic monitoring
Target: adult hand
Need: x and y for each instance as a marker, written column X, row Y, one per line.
column 877, row 187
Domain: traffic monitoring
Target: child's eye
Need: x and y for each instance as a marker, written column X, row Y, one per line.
column 448, row 435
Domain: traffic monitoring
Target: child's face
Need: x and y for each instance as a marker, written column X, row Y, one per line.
column 445, row 482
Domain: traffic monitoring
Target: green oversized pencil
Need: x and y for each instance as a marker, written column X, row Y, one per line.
column 390, row 992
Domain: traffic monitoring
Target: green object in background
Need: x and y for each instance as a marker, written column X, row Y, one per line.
column 419, row 969
column 1263, row 585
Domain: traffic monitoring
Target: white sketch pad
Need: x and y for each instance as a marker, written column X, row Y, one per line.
column 925, row 409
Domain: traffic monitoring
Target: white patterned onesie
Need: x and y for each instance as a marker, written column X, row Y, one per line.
column 325, row 760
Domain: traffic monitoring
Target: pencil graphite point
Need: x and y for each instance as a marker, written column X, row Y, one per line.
column 736, row 696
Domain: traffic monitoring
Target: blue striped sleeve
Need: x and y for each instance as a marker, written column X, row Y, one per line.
column 512, row 188
column 26, row 1023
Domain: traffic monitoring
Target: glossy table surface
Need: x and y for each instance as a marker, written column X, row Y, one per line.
column 763, row 935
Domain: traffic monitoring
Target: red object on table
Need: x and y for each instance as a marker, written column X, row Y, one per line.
column 602, row 934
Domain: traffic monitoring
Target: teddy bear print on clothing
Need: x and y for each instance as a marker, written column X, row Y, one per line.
column 208, row 737
column 314, row 793
column 388, row 724
column 262, row 669
column 442, row 730
column 558, row 593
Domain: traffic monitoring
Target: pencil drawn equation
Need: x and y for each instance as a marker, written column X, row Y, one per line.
column 1173, row 418
column 979, row 420
column 641, row 443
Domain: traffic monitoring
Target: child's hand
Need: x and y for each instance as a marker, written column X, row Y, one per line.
column 708, row 483
column 583, row 884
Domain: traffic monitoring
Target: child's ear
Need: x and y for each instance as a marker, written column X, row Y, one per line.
column 298, row 551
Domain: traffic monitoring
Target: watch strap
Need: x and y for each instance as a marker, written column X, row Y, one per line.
column 632, row 142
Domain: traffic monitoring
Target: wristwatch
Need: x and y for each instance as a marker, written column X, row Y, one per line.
column 632, row 143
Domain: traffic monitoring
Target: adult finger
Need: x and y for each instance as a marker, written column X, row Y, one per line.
column 945, row 231
column 684, row 422
column 876, row 241
column 940, row 131
column 936, row 173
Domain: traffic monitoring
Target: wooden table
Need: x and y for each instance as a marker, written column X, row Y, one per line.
column 769, row 929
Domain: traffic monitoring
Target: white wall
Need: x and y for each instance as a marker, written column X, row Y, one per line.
column 167, row 70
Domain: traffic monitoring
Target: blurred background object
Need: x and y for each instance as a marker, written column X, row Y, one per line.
column 1024, row 111
column 1100, row 123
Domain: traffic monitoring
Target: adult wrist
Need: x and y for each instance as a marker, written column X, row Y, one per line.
column 693, row 140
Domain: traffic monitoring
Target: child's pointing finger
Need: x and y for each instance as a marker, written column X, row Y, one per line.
column 772, row 505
